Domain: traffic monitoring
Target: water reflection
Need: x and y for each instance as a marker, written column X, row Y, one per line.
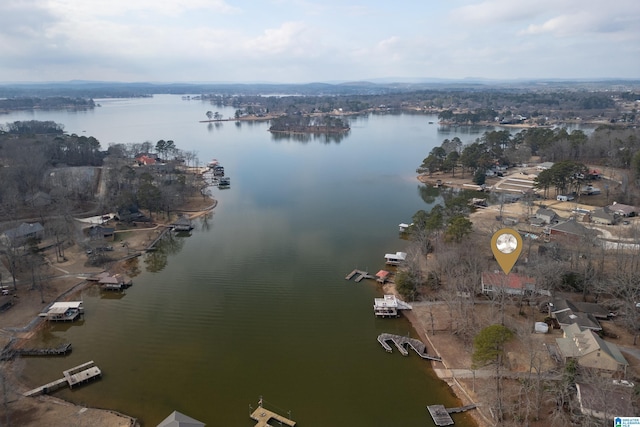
column 325, row 138
column 157, row 259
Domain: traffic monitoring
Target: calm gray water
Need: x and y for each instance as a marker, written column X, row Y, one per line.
column 254, row 302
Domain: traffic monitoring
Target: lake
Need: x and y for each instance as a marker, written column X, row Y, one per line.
column 254, row 302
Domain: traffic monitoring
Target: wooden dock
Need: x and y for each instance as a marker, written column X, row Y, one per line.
column 263, row 416
column 72, row 377
column 440, row 415
column 360, row 274
column 61, row 350
column 402, row 343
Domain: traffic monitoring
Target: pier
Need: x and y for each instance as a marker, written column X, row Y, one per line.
column 61, row 350
column 72, row 377
column 442, row 416
column 402, row 343
column 263, row 416
column 360, row 274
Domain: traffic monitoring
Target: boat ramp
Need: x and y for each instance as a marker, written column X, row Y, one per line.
column 72, row 377
column 403, row 343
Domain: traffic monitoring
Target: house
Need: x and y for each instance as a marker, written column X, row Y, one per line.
column 585, row 315
column 395, row 259
column 622, row 210
column 99, row 232
column 511, row 284
column 546, row 215
column 589, row 350
column 571, row 229
column 145, row 160
column 20, row 235
column 602, row 216
column 605, row 403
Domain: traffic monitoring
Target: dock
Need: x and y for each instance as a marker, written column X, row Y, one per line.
column 360, row 274
column 72, row 377
column 442, row 416
column 263, row 416
column 61, row 350
column 402, row 343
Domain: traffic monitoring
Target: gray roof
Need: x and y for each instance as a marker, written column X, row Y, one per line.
column 621, row 209
column 584, row 320
column 545, row 212
column 602, row 213
column 23, row 230
column 178, row 419
column 572, row 227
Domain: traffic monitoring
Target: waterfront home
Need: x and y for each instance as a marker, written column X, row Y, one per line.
column 590, row 351
column 65, row 311
column 395, row 259
column 511, row 284
column 388, row 306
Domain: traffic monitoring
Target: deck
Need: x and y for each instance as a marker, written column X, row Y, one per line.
column 263, row 416
column 402, row 343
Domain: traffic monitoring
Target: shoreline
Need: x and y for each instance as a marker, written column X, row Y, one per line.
column 446, row 372
column 49, row 410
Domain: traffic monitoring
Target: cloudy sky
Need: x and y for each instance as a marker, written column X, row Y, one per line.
column 297, row 41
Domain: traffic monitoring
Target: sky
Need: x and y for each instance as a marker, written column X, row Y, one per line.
column 302, row 41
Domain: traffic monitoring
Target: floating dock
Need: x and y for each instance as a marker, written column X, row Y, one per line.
column 402, row 343
column 72, row 377
column 263, row 416
column 360, row 274
column 442, row 416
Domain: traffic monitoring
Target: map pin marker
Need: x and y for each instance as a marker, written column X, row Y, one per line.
column 506, row 245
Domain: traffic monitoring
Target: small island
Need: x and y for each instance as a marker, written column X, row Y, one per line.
column 308, row 124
